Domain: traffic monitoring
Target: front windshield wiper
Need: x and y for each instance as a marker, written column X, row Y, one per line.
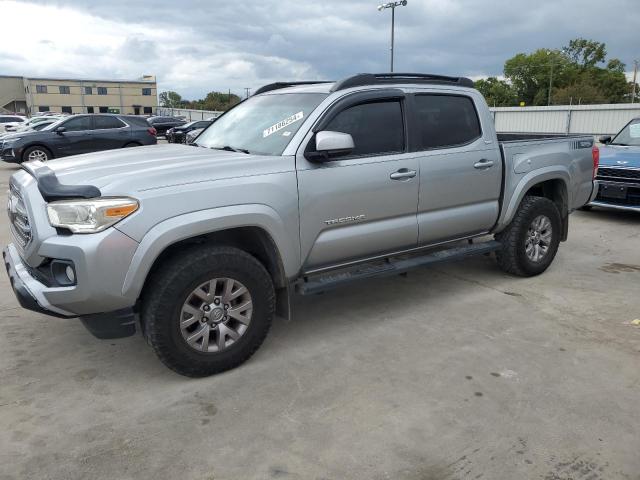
column 227, row 148
column 620, row 144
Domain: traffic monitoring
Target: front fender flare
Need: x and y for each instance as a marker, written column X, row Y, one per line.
column 193, row 224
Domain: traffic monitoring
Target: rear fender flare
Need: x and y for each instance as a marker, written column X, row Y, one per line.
column 524, row 185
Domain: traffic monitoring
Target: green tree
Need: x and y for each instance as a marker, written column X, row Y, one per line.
column 497, row 93
column 170, row 99
column 574, row 73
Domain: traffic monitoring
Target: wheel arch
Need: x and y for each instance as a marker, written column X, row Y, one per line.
column 553, row 185
column 36, row 144
column 256, row 229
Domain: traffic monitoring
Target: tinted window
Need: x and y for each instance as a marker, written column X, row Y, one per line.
column 445, row 121
column 66, row 109
column 43, row 108
column 88, row 91
column 147, row 110
column 146, row 91
column 104, row 109
column 102, row 90
column 375, row 127
column 10, row 119
column 107, row 122
column 202, row 124
column 77, row 124
column 41, row 89
column 89, row 109
column 64, row 90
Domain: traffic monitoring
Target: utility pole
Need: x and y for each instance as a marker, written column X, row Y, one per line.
column 392, row 6
column 550, row 85
column 247, row 91
column 633, row 86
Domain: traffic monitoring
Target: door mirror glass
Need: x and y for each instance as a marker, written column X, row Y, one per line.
column 60, row 130
column 331, row 144
column 605, row 139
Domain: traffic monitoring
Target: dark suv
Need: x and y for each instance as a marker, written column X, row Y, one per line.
column 179, row 134
column 162, row 124
column 75, row 135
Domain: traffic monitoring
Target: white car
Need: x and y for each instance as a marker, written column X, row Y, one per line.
column 10, row 120
column 31, row 123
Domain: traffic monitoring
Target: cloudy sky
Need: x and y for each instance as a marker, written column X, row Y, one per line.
column 195, row 46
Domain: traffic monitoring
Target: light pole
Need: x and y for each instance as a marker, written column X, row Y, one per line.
column 392, row 6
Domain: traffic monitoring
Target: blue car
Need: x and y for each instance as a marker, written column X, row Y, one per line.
column 619, row 171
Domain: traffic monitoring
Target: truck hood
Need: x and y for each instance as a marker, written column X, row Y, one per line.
column 128, row 170
column 620, row 156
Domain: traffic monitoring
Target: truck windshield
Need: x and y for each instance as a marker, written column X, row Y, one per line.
column 629, row 135
column 262, row 125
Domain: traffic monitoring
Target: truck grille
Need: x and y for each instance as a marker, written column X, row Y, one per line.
column 628, row 175
column 18, row 217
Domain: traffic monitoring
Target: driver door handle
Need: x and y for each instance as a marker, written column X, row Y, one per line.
column 403, row 174
column 482, row 164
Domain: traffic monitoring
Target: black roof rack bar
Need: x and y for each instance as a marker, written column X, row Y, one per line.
column 384, row 78
column 278, row 85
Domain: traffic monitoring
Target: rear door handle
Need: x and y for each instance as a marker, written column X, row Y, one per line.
column 403, row 174
column 482, row 164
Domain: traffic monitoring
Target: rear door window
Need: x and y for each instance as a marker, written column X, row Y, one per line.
column 377, row 128
column 104, row 122
column 444, row 121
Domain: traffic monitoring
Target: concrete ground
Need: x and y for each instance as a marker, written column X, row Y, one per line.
column 454, row 372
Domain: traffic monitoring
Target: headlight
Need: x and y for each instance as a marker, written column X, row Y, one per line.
column 90, row 216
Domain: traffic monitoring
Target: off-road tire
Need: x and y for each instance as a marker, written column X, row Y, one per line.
column 168, row 288
column 512, row 258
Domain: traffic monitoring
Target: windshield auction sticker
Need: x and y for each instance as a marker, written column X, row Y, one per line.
column 634, row 130
column 282, row 124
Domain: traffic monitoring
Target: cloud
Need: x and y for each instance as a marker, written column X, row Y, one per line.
column 195, row 46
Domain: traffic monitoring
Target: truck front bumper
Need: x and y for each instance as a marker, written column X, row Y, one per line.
column 31, row 296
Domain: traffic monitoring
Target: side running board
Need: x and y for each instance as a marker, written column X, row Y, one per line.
column 391, row 266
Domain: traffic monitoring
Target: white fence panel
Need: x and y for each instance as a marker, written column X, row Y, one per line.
column 190, row 115
column 582, row 119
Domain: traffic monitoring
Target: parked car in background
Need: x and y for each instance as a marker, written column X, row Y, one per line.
column 178, row 134
column 619, row 170
column 10, row 120
column 299, row 188
column 30, row 128
column 192, row 135
column 31, row 122
column 162, row 124
column 77, row 134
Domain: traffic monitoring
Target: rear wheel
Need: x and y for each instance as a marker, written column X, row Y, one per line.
column 208, row 310
column 36, row 153
column 530, row 242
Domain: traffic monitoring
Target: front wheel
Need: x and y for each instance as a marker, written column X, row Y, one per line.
column 36, row 153
column 208, row 309
column 530, row 242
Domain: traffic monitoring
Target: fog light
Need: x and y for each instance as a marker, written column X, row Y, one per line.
column 71, row 275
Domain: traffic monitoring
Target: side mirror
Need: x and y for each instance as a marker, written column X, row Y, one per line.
column 330, row 144
column 60, row 130
column 605, row 139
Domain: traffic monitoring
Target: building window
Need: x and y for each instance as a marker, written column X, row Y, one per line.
column 41, row 89
column 146, row 91
column 43, row 108
column 102, row 90
column 148, row 110
column 64, row 90
column 66, row 110
column 88, row 91
column 89, row 109
column 104, row 109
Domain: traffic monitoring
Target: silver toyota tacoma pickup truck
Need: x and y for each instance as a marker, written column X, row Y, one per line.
column 301, row 188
